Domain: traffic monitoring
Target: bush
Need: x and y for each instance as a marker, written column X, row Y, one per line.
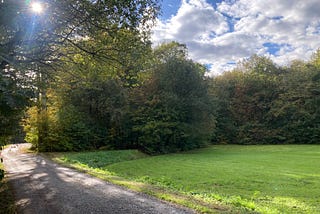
column 1, row 174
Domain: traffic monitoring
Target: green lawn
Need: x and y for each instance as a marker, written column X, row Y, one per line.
column 265, row 179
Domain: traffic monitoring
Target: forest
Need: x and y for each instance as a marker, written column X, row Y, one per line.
column 78, row 82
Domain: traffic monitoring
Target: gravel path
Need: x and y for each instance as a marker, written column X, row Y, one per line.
column 42, row 186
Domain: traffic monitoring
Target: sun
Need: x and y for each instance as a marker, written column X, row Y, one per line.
column 36, row 7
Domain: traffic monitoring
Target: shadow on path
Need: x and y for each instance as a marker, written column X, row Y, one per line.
column 42, row 186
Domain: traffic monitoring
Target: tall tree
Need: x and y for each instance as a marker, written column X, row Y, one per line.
column 245, row 96
column 296, row 112
column 172, row 109
column 14, row 96
column 261, row 103
column 38, row 42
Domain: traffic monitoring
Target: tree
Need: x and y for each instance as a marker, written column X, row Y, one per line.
column 245, row 97
column 172, row 110
column 28, row 38
column 222, row 90
column 259, row 64
column 14, row 97
column 315, row 59
column 261, row 103
column 296, row 112
column 101, row 31
column 167, row 51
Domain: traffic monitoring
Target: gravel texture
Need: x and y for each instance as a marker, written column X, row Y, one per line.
column 42, row 186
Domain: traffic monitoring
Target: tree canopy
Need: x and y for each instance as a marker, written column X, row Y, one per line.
column 28, row 37
column 35, row 46
column 261, row 103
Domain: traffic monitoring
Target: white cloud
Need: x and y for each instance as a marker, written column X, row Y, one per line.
column 195, row 20
column 238, row 29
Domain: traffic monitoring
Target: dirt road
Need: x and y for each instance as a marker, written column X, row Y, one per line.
column 42, row 186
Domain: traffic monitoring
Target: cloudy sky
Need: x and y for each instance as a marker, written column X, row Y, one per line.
column 220, row 33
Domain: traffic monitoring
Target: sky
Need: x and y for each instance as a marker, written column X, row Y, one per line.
column 220, row 33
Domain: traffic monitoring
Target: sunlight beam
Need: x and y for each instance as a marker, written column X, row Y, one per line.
column 36, row 7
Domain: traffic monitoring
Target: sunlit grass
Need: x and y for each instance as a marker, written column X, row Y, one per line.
column 266, row 179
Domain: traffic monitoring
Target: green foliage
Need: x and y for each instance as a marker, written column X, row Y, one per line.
column 296, row 112
column 104, row 108
column 93, row 106
column 171, row 50
column 172, row 110
column 74, row 133
column 79, row 119
column 260, row 103
column 14, row 97
column 37, row 125
column 315, row 59
column 83, row 104
column 108, row 38
column 28, row 38
column 110, row 89
column 259, row 65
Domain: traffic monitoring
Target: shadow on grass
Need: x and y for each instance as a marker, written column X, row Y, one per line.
column 6, row 198
column 161, row 192
column 269, row 195
column 42, row 186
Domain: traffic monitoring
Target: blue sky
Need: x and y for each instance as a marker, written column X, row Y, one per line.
column 221, row 33
column 169, row 8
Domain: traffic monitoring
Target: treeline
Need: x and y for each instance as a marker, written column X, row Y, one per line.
column 160, row 105
column 170, row 105
column 90, row 79
column 36, row 47
column 262, row 103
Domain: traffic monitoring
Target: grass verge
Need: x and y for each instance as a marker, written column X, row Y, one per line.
column 7, row 205
column 263, row 179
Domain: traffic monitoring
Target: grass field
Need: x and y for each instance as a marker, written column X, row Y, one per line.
column 264, row 179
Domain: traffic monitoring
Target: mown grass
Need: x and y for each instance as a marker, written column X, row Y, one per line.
column 99, row 159
column 7, row 205
column 264, row 179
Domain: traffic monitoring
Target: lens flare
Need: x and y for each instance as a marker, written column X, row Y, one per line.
column 36, row 7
